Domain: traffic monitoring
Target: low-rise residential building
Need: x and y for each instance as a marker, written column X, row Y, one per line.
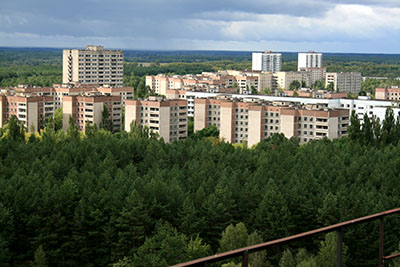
column 285, row 78
column 311, row 75
column 89, row 109
column 31, row 110
column 349, row 82
column 362, row 105
column 58, row 91
column 222, row 81
column 168, row 118
column 252, row 121
column 312, row 123
column 392, row 93
column 266, row 81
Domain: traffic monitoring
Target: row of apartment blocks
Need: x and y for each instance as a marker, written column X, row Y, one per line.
column 240, row 118
column 32, row 105
column 251, row 122
column 245, row 82
column 58, row 91
column 168, row 118
column 223, row 81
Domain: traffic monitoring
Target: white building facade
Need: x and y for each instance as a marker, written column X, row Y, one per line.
column 309, row 60
column 267, row 61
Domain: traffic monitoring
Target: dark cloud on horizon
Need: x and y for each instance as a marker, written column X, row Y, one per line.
column 172, row 22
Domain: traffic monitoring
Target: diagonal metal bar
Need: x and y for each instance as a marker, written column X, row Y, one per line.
column 251, row 249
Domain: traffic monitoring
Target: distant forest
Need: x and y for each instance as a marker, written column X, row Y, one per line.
column 43, row 66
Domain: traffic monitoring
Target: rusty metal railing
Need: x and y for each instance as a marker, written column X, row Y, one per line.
column 244, row 252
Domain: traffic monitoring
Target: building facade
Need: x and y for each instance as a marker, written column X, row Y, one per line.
column 267, row 61
column 32, row 111
column 309, row 60
column 253, row 121
column 392, row 94
column 285, row 78
column 168, row 118
column 311, row 75
column 89, row 109
column 349, row 82
column 93, row 65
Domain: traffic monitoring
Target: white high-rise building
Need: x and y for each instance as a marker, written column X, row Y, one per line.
column 94, row 65
column 309, row 60
column 267, row 61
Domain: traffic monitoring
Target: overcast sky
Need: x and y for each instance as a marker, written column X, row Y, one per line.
column 252, row 25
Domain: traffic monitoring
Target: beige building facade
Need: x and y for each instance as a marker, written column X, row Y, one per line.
column 32, row 111
column 349, row 82
column 392, row 93
column 168, row 118
column 89, row 109
column 93, row 65
column 252, row 122
column 285, row 78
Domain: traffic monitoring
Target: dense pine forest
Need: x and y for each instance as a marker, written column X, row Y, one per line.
column 127, row 199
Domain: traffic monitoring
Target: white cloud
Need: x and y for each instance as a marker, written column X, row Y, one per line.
column 343, row 23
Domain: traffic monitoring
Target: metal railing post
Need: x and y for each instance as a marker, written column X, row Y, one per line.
column 381, row 243
column 339, row 259
column 245, row 259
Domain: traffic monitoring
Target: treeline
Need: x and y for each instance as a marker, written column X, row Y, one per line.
column 42, row 75
column 367, row 69
column 69, row 199
column 184, row 68
column 30, row 56
column 42, row 66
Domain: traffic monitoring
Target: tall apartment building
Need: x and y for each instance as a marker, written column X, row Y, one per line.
column 31, row 110
column 94, row 65
column 349, row 82
column 89, row 108
column 309, row 60
column 267, row 61
column 251, row 122
column 168, row 118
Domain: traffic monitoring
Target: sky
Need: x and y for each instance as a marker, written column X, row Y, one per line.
column 357, row 26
